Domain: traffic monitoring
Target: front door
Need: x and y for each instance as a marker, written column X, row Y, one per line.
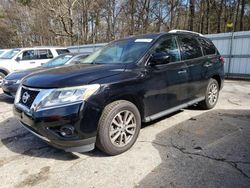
column 32, row 58
column 166, row 82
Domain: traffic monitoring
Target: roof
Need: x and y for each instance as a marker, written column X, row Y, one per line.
column 43, row 47
column 184, row 31
column 75, row 54
column 157, row 35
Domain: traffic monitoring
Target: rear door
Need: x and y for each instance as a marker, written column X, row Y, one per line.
column 211, row 61
column 166, row 83
column 43, row 56
column 191, row 53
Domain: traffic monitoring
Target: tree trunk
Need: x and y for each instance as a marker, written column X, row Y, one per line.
column 208, row 12
column 219, row 17
column 132, row 12
column 236, row 16
column 242, row 14
column 191, row 17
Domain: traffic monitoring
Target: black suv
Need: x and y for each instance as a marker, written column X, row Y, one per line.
column 103, row 100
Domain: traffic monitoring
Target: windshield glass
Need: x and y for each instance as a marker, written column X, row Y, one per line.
column 1, row 52
column 123, row 51
column 58, row 61
column 10, row 54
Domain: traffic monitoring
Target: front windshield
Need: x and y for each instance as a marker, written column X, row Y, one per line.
column 58, row 61
column 10, row 54
column 1, row 52
column 123, row 51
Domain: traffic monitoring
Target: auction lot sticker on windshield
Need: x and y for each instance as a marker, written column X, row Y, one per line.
column 143, row 40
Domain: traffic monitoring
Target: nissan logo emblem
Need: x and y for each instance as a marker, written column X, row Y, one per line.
column 25, row 97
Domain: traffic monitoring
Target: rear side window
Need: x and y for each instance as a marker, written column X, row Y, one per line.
column 44, row 54
column 62, row 51
column 190, row 47
column 207, row 46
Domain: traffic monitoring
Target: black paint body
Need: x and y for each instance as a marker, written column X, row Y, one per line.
column 152, row 88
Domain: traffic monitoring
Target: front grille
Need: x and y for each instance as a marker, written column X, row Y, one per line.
column 27, row 97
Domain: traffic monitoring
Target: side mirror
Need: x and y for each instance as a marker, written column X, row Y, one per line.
column 159, row 58
column 18, row 59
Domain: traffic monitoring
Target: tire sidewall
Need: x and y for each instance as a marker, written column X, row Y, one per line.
column 2, row 75
column 103, row 134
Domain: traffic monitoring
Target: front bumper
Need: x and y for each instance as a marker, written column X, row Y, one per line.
column 46, row 125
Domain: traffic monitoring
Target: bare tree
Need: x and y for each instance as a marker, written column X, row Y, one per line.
column 70, row 22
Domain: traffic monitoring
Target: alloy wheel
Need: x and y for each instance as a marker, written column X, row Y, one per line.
column 122, row 128
column 212, row 94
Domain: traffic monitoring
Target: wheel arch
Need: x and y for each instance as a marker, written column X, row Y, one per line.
column 4, row 71
column 131, row 98
column 218, row 79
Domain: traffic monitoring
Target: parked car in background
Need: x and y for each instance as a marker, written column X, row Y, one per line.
column 11, row 82
column 102, row 101
column 26, row 58
column 3, row 51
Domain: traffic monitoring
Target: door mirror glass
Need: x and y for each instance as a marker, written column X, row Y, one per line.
column 159, row 58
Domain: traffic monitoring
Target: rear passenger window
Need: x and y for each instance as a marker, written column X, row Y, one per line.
column 44, row 54
column 62, row 51
column 207, row 46
column 190, row 48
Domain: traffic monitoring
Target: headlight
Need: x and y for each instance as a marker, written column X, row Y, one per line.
column 58, row 97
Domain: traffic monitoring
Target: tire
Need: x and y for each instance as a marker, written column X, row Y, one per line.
column 211, row 96
column 2, row 75
column 118, row 118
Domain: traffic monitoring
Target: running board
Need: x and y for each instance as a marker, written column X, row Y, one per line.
column 171, row 110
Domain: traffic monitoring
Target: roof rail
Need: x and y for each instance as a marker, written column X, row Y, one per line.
column 185, row 31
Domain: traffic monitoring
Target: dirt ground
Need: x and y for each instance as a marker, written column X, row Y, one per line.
column 190, row 148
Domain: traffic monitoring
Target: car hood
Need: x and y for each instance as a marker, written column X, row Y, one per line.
column 71, row 75
column 4, row 60
column 21, row 74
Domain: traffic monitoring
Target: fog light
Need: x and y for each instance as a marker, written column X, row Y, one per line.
column 67, row 131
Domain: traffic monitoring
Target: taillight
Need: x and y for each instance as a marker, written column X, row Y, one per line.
column 222, row 60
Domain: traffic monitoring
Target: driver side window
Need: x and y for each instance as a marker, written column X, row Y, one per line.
column 28, row 55
column 169, row 47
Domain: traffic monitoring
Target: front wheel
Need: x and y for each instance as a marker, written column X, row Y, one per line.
column 2, row 75
column 118, row 128
column 211, row 96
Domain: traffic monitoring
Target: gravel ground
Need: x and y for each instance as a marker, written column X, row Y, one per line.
column 190, row 148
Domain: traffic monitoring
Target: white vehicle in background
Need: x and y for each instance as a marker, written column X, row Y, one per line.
column 25, row 58
column 3, row 51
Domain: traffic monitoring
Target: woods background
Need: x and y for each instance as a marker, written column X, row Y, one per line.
column 26, row 23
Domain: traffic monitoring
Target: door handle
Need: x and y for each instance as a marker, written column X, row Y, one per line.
column 182, row 71
column 32, row 62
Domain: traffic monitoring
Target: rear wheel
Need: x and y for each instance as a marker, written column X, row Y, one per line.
column 212, row 95
column 119, row 127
